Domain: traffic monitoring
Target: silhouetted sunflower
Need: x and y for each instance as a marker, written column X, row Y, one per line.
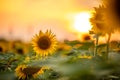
column 44, row 43
column 112, row 16
column 99, row 22
column 25, row 72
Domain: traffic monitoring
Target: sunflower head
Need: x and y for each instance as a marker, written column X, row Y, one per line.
column 20, row 51
column 44, row 43
column 113, row 6
column 98, row 21
column 24, row 71
column 86, row 37
column 112, row 13
column 2, row 48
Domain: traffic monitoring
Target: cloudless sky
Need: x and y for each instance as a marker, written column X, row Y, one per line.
column 21, row 19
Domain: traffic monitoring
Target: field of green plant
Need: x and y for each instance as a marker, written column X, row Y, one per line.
column 72, row 60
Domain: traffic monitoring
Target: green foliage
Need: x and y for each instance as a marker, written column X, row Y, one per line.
column 66, row 64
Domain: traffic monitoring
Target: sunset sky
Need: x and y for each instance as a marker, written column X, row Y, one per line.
column 21, row 19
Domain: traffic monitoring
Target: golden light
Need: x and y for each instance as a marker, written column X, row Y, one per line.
column 81, row 22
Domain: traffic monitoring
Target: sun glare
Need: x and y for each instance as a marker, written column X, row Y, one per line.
column 81, row 22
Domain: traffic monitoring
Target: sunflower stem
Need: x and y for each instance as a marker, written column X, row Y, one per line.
column 107, row 48
column 96, row 45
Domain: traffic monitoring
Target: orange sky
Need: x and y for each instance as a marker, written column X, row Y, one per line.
column 20, row 19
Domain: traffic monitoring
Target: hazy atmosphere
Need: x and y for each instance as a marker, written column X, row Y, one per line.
column 21, row 19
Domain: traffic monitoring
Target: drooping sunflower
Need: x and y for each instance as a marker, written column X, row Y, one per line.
column 44, row 43
column 25, row 72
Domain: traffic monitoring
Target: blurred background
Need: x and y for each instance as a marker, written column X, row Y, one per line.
column 68, row 19
column 21, row 19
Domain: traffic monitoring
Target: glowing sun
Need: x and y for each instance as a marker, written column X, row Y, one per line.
column 81, row 22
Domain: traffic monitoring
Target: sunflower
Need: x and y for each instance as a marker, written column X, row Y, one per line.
column 24, row 71
column 2, row 47
column 21, row 50
column 112, row 13
column 18, row 47
column 98, row 21
column 86, row 37
column 44, row 43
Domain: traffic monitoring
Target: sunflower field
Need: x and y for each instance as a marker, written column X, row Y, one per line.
column 46, row 58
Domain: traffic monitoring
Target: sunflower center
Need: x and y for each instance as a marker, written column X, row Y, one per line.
column 20, row 51
column 44, row 42
column 31, row 70
column 86, row 37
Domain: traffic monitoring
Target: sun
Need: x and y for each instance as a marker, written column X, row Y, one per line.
column 81, row 22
